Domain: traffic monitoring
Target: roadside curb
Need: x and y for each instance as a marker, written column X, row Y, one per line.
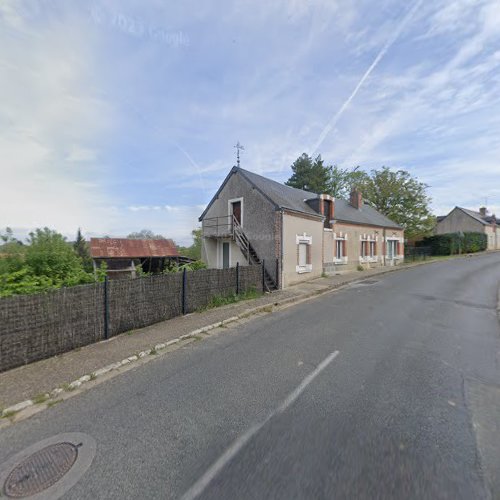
column 29, row 407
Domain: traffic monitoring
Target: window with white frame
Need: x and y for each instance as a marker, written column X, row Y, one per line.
column 340, row 248
column 392, row 248
column 368, row 248
column 304, row 245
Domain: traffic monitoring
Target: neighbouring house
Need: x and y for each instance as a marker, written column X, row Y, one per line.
column 465, row 220
column 297, row 234
column 123, row 256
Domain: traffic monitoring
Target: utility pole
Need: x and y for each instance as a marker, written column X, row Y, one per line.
column 238, row 148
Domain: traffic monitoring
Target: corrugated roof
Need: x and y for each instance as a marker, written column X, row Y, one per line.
column 130, row 248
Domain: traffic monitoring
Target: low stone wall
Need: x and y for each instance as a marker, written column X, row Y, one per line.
column 34, row 327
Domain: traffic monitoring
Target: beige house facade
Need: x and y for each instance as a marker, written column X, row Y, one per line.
column 466, row 220
column 294, row 234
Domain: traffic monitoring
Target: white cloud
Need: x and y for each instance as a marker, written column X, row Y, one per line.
column 51, row 121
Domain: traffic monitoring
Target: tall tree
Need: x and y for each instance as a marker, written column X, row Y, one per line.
column 343, row 180
column 310, row 174
column 81, row 249
column 400, row 197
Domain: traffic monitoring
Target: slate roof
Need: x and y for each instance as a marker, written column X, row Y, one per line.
column 345, row 212
column 486, row 220
column 130, row 248
column 281, row 195
column 290, row 198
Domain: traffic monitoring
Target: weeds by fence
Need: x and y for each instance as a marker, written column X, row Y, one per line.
column 34, row 327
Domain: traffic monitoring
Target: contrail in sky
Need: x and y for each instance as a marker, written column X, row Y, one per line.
column 335, row 118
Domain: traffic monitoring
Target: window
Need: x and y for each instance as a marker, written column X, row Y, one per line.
column 304, row 244
column 363, row 249
column 339, row 248
column 368, row 249
column 392, row 249
column 303, row 254
column 373, row 249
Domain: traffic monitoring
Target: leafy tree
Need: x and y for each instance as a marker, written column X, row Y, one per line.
column 310, row 174
column 194, row 251
column 48, row 254
column 47, row 262
column 145, row 234
column 400, row 197
column 343, row 180
column 12, row 252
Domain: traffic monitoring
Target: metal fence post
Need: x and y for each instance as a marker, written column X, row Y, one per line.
column 184, row 287
column 263, row 275
column 237, row 278
column 106, row 308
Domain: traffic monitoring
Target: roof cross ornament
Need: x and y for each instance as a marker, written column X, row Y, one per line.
column 238, row 148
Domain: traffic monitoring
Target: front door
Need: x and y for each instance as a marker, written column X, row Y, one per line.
column 237, row 211
column 225, row 255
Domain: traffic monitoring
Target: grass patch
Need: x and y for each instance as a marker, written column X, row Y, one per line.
column 9, row 414
column 93, row 376
column 40, row 398
column 53, row 403
column 68, row 388
column 153, row 351
column 360, row 267
column 224, row 300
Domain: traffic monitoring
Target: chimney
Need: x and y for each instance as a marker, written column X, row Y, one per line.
column 482, row 211
column 356, row 199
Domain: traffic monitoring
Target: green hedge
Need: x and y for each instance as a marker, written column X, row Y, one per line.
column 453, row 243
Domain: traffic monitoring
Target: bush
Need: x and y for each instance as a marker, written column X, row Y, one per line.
column 454, row 243
column 46, row 263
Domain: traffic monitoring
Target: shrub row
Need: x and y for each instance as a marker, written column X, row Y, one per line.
column 454, row 243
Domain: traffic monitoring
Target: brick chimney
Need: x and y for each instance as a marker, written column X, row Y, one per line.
column 482, row 211
column 356, row 199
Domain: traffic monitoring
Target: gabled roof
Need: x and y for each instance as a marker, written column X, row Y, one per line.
column 130, row 248
column 290, row 198
column 486, row 220
column 280, row 195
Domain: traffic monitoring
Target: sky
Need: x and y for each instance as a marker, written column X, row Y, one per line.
column 118, row 115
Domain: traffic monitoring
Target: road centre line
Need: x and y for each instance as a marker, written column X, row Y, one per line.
column 239, row 443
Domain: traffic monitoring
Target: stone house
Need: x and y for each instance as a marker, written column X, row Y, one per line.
column 297, row 234
column 465, row 220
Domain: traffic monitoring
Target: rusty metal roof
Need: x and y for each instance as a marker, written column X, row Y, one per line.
column 129, row 248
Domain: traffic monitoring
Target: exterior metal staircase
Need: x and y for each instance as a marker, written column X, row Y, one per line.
column 250, row 254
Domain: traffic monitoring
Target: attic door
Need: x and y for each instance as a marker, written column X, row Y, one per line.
column 236, row 207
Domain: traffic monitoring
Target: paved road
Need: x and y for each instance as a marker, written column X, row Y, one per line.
column 381, row 390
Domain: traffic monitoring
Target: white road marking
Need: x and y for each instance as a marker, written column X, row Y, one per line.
column 233, row 450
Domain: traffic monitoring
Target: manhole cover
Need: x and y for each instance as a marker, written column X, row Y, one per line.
column 40, row 470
